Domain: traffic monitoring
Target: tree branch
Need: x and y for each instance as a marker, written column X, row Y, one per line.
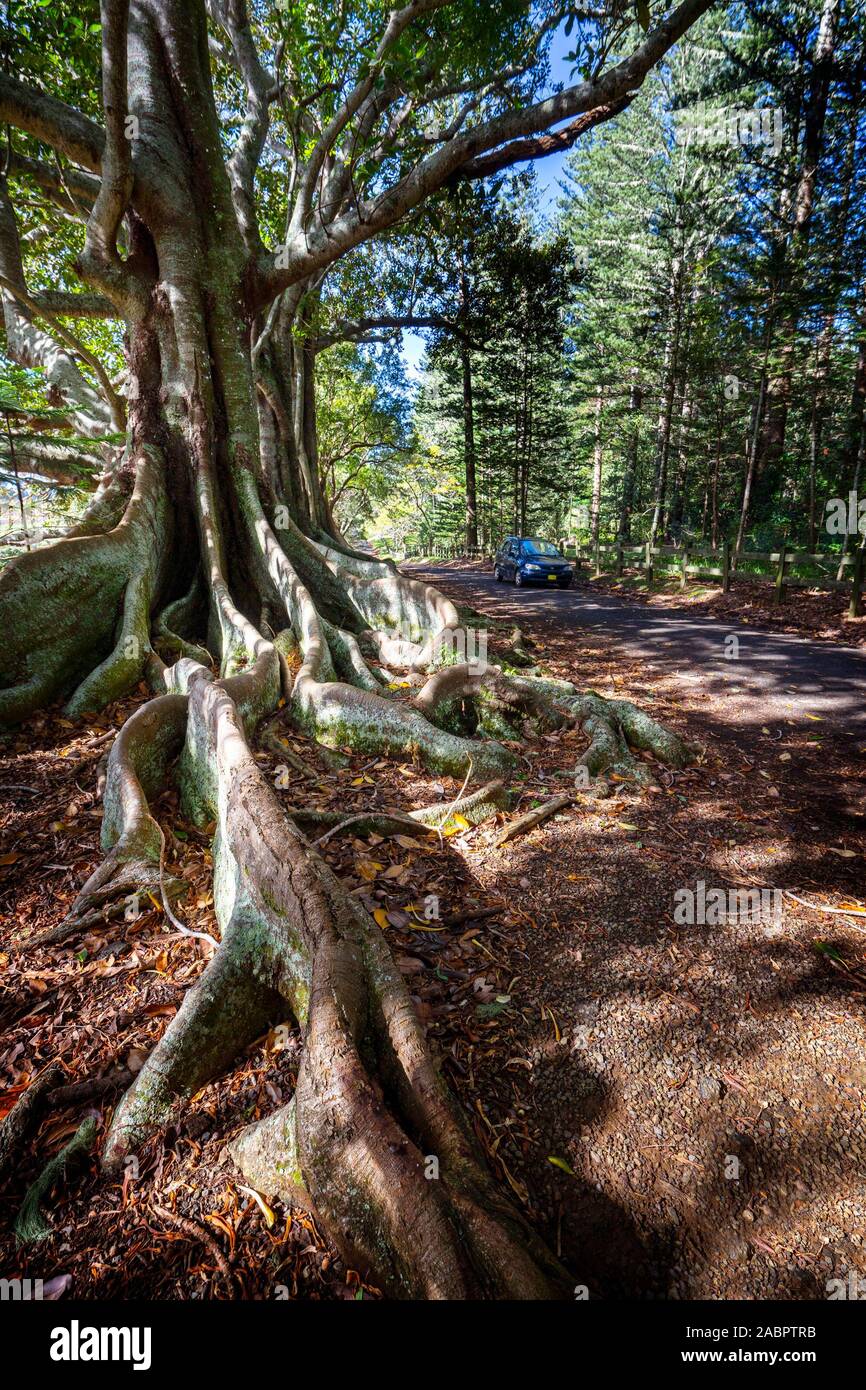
column 103, row 224
column 115, row 402
column 319, row 245
column 261, row 91
column 71, row 189
column 346, row 331
column 398, row 22
column 51, row 121
column 71, row 305
column 536, row 147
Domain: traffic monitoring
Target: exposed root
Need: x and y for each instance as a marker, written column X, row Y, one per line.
column 460, row 697
column 30, row 1224
column 24, row 1114
column 176, row 619
column 617, row 726
column 348, row 659
column 80, row 586
column 372, row 1140
column 472, row 810
column 194, row 1231
column 341, row 715
column 137, row 771
column 344, row 560
column 411, row 623
column 533, row 818
column 367, row 1093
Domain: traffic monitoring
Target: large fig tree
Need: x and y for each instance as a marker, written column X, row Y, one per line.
column 218, row 159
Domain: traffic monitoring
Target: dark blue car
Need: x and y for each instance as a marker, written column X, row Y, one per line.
column 531, row 562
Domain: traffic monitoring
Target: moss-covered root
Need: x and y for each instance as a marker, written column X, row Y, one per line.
column 175, row 620
column 617, row 726
column 478, row 806
column 348, row 659
column 341, row 716
column 343, row 560
column 259, row 973
column 65, row 606
column 408, row 620
column 422, row 1229
column 646, row 733
column 224, row 1011
column 501, row 705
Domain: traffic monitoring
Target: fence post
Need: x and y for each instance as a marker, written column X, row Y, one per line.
column 597, row 559
column 854, row 607
column 619, row 557
column 684, row 565
column 648, row 565
column 780, row 573
column 726, row 565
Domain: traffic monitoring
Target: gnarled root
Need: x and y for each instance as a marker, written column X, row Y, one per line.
column 461, row 698
column 617, row 726
column 373, row 1138
column 343, row 716
column 369, row 1104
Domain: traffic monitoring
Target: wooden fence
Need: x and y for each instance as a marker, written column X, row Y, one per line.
column 699, row 562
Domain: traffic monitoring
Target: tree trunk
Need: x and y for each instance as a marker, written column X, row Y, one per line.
column 856, row 432
column 597, row 464
column 772, row 441
column 669, row 377
column 635, row 403
column 471, row 521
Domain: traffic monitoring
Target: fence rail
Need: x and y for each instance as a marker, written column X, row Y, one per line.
column 723, row 565
column 728, row 567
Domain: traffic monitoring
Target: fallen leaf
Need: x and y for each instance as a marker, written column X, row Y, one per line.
column 266, row 1211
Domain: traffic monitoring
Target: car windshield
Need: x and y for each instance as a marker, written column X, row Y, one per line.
column 540, row 548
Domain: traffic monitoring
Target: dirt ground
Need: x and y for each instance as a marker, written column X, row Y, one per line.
column 677, row 1108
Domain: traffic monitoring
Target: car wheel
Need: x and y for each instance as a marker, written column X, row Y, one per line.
column 565, row 583
column 518, row 579
column 497, row 574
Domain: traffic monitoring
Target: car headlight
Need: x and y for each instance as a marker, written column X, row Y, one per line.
column 532, row 567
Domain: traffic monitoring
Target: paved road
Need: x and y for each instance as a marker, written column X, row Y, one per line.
column 791, row 676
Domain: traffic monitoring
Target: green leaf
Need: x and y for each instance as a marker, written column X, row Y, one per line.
column 561, row 1163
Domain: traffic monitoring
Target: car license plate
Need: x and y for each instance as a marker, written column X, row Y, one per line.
column 551, row 578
